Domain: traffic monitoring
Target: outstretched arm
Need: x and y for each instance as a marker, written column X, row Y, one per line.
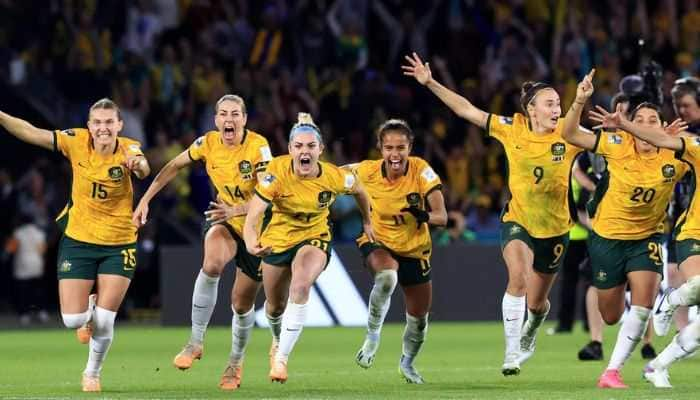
column 459, row 104
column 27, row 132
column 657, row 136
column 572, row 132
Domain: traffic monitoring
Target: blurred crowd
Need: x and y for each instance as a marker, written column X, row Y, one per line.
column 166, row 62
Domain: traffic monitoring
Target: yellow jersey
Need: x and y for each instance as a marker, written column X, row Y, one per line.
column 631, row 199
column 232, row 170
column 396, row 230
column 539, row 171
column 688, row 225
column 300, row 206
column 101, row 201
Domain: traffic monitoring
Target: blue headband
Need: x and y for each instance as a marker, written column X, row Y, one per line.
column 305, row 128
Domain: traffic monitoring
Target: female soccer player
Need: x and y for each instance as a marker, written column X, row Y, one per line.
column 295, row 242
column 99, row 241
column 235, row 157
column 687, row 238
column 402, row 189
column 627, row 218
column 536, row 220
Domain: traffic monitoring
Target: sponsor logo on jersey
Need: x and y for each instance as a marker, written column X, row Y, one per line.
column 614, row 139
column 668, row 171
column 199, row 141
column 246, row 169
column 68, row 132
column 558, row 151
column 515, row 229
column 413, row 200
column 116, row 173
column 65, row 266
column 267, row 180
column 324, row 199
column 602, row 276
column 428, row 174
column 695, row 248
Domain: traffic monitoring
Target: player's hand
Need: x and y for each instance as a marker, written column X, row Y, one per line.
column 257, row 250
column 219, row 212
column 421, row 216
column 606, row 119
column 676, row 127
column 585, row 88
column 140, row 216
column 418, row 70
column 369, row 232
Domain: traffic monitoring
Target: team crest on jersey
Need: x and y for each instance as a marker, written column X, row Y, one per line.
column 246, row 169
column 668, row 171
column 413, row 200
column 602, row 276
column 116, row 173
column 558, row 151
column 324, row 199
column 65, row 266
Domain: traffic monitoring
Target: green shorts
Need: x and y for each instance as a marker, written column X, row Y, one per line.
column 249, row 264
column 613, row 259
column 412, row 271
column 285, row 258
column 80, row 260
column 548, row 253
column 687, row 248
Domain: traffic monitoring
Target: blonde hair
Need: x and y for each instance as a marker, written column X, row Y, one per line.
column 231, row 97
column 305, row 123
column 106, row 104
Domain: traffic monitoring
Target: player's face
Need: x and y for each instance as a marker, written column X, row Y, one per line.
column 650, row 118
column 545, row 109
column 395, row 148
column 230, row 120
column 688, row 109
column 305, row 149
column 104, row 126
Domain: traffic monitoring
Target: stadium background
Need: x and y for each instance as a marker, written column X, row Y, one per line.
column 165, row 62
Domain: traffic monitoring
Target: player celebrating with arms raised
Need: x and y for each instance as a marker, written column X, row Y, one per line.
column 99, row 241
column 536, row 220
column 295, row 242
column 627, row 219
column 402, row 189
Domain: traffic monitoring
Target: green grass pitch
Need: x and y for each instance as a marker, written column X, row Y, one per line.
column 459, row 361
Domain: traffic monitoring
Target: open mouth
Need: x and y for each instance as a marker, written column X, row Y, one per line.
column 229, row 131
column 554, row 120
column 305, row 161
column 395, row 164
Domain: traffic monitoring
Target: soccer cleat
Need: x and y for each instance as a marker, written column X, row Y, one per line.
column 273, row 351
column 593, row 351
column 611, row 379
column 278, row 372
column 91, row 383
column 648, row 352
column 84, row 333
column 365, row 356
column 231, row 379
column 527, row 348
column 409, row 372
column 184, row 359
column 511, row 366
column 663, row 316
column 657, row 377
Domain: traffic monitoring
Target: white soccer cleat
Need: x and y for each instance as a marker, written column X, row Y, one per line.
column 511, row 365
column 657, row 377
column 365, row 356
column 409, row 372
column 663, row 316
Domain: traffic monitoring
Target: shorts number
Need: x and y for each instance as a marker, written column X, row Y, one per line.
column 98, row 190
column 558, row 252
column 655, row 253
column 539, row 173
column 323, row 245
column 399, row 220
column 129, row 258
column 646, row 195
column 236, row 193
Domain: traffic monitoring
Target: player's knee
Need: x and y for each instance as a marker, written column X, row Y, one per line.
column 386, row 280
column 694, row 290
column 104, row 322
column 242, row 306
column 75, row 321
column 611, row 318
column 275, row 309
column 299, row 292
column 213, row 267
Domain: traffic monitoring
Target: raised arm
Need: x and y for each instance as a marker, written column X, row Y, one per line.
column 256, row 209
column 27, row 132
column 165, row 175
column 657, row 136
column 572, row 131
column 459, row 104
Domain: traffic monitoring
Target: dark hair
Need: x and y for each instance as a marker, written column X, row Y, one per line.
column 618, row 98
column 528, row 92
column 394, row 124
column 684, row 86
column 106, row 104
column 648, row 105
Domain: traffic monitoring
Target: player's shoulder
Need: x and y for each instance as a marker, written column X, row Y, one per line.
column 75, row 133
column 129, row 143
column 254, row 138
column 367, row 167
